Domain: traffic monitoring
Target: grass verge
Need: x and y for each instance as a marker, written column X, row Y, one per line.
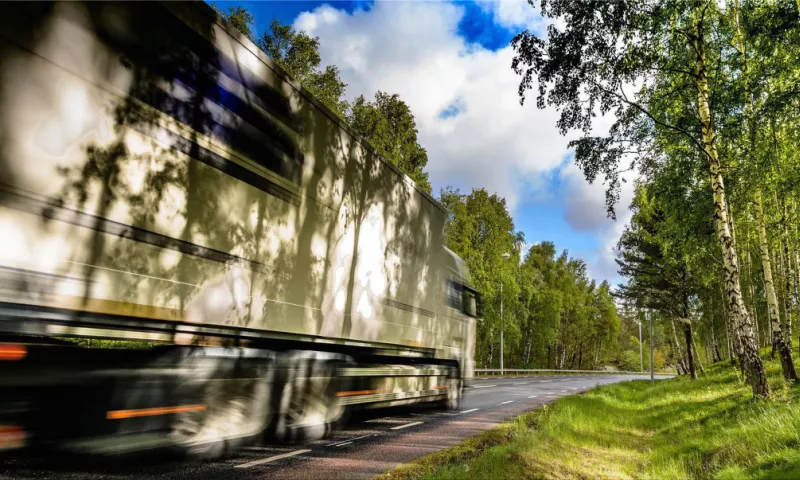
column 676, row 429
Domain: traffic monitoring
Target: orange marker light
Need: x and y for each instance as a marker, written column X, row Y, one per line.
column 149, row 412
column 11, row 436
column 12, row 351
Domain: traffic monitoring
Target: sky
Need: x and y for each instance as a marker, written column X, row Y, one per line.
column 451, row 63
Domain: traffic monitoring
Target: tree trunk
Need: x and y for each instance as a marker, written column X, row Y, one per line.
column 697, row 356
column 679, row 352
column 780, row 277
column 675, row 356
column 778, row 339
column 571, row 364
column 687, row 334
column 755, row 315
column 715, row 355
column 549, row 364
column 750, row 359
column 597, row 354
column 528, row 348
column 734, row 348
column 491, row 351
column 752, row 296
column 788, row 276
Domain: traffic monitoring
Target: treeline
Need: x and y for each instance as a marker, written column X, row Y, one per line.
column 706, row 97
column 554, row 316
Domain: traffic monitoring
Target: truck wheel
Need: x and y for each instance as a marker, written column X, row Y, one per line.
column 455, row 391
column 237, row 410
column 309, row 407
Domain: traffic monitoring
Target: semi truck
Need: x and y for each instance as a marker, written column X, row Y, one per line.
column 195, row 253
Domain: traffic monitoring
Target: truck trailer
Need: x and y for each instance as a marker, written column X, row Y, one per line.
column 195, row 253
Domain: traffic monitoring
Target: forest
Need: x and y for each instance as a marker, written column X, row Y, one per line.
column 705, row 99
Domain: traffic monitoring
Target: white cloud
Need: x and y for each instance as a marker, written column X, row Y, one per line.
column 586, row 211
column 514, row 14
column 414, row 49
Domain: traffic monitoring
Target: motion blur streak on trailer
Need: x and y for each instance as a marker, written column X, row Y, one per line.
column 166, row 188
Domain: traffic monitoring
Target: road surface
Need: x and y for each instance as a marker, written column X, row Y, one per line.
column 371, row 443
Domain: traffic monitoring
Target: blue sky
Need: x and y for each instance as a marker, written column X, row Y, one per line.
column 451, row 63
column 477, row 24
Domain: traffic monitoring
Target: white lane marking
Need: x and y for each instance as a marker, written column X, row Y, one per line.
column 485, row 386
column 470, row 410
column 348, row 441
column 563, row 391
column 575, row 388
column 544, row 381
column 406, row 425
column 520, row 383
column 389, row 420
column 271, row 459
column 510, row 401
column 345, row 443
column 533, row 396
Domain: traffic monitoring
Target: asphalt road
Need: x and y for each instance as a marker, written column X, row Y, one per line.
column 371, row 443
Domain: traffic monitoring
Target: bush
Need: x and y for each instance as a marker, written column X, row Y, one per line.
column 629, row 361
column 658, row 360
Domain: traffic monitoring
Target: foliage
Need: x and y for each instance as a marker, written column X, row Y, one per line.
column 630, row 361
column 480, row 230
column 387, row 123
column 239, row 18
column 658, row 361
column 554, row 316
column 675, row 429
column 699, row 91
column 389, row 126
column 298, row 54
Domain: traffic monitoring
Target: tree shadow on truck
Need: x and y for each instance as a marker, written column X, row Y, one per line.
column 160, row 169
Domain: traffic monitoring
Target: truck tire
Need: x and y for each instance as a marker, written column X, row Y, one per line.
column 455, row 391
column 238, row 409
column 308, row 407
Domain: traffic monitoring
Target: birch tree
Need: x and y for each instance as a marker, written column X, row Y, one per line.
column 673, row 49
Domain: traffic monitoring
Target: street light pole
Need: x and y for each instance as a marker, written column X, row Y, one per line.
column 502, row 329
column 652, row 376
column 502, row 321
column 641, row 354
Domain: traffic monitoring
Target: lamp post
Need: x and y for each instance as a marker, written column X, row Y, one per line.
column 641, row 354
column 502, row 321
column 502, row 328
column 652, row 375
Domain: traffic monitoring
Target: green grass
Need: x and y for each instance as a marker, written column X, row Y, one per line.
column 709, row 428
